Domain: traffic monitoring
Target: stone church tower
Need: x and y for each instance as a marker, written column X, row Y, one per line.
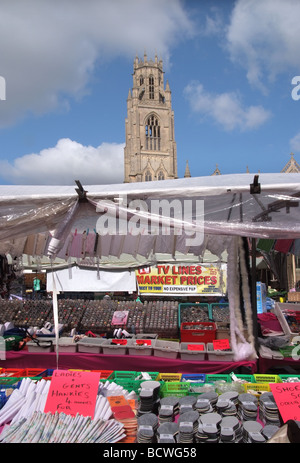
column 150, row 150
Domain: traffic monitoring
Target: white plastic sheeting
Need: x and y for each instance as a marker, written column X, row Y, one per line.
column 142, row 223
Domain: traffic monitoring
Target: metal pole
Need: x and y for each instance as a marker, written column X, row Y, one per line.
column 253, row 290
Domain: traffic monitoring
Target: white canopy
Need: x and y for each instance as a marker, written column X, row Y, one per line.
column 141, row 223
column 75, row 279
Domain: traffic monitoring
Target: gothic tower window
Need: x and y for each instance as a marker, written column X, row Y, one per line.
column 152, row 130
column 150, row 151
column 151, row 88
column 148, row 176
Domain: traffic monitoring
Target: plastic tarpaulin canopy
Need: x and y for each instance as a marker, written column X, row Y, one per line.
column 141, row 223
column 138, row 224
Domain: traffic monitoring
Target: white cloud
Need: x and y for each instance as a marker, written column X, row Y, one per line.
column 264, row 36
column 66, row 162
column 213, row 23
column 295, row 143
column 49, row 49
column 226, row 109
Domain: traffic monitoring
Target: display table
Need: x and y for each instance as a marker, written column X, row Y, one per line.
column 82, row 361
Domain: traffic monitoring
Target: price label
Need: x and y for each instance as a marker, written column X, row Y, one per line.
column 287, row 398
column 221, row 344
column 122, row 342
column 143, row 342
column 73, row 392
column 195, row 347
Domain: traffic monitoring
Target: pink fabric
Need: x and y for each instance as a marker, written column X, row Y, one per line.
column 76, row 246
column 269, row 321
column 84, row 361
column 90, row 244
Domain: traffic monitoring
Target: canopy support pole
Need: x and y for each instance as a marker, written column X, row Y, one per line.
column 253, row 291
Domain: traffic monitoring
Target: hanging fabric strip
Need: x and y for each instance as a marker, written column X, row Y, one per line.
column 283, row 245
column 70, row 267
column 60, row 235
column 90, row 244
column 295, row 249
column 96, row 244
column 55, row 314
column 41, row 244
column 265, row 245
column 241, row 347
column 232, row 271
column 83, row 244
column 38, row 263
column 98, row 268
column 246, row 296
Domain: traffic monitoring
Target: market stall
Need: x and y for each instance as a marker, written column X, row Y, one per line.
column 135, row 226
column 131, row 226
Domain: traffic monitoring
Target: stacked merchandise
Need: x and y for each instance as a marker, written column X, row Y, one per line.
column 206, row 402
column 220, row 313
column 70, row 313
column 268, row 410
column 98, row 316
column 148, row 413
column 208, row 428
column 252, row 432
column 192, row 316
column 149, row 397
column 123, row 413
column 147, row 428
column 167, row 433
column 95, row 316
column 32, row 313
column 162, row 318
column 8, row 310
column 194, row 313
column 188, row 425
column 168, row 409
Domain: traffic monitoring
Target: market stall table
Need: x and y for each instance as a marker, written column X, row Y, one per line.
column 84, row 361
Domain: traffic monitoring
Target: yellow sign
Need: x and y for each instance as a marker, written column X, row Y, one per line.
column 205, row 279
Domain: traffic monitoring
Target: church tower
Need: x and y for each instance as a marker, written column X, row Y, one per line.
column 150, row 151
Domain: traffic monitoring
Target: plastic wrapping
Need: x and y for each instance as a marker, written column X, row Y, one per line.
column 142, row 223
column 24, row 218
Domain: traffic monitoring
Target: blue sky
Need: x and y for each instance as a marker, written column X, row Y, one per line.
column 68, row 65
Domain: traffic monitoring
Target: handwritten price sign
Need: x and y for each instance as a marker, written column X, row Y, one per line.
column 287, row 398
column 221, row 344
column 73, row 392
column 198, row 347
